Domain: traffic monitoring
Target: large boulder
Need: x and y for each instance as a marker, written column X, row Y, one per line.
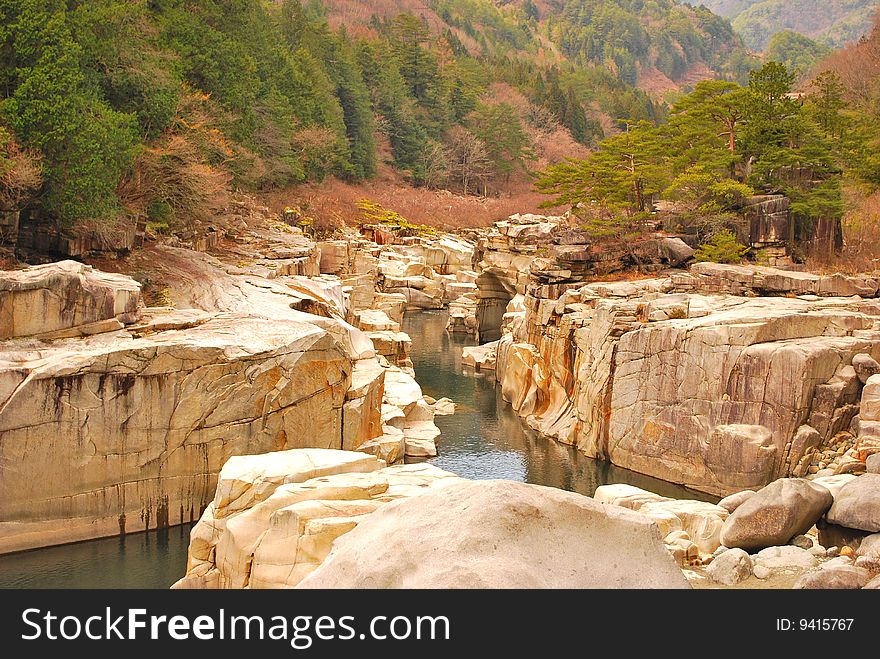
column 66, row 298
column 731, row 567
column 857, row 505
column 783, row 558
column 701, row 522
column 865, row 366
column 499, row 534
column 675, row 251
column 275, row 516
column 126, row 430
column 734, row 501
column 121, row 434
column 775, row 514
column 839, row 577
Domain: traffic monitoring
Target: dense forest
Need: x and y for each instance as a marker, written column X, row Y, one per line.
column 160, row 108
column 630, row 36
column 723, row 143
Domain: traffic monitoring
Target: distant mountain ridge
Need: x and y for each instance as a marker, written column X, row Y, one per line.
column 659, row 46
column 831, row 22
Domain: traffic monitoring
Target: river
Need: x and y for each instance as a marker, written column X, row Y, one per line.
column 483, row 439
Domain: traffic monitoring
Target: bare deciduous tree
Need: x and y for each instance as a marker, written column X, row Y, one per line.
column 469, row 163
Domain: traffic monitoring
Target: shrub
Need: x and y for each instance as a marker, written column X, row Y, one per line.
column 722, row 248
column 20, row 172
column 374, row 213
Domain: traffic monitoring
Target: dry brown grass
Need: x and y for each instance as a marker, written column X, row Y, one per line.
column 333, row 200
column 337, row 199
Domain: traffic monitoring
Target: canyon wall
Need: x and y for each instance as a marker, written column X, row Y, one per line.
column 116, row 416
column 720, row 378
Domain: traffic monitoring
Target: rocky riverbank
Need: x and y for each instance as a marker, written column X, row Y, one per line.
column 718, row 377
column 319, row 518
column 117, row 413
column 333, row 519
column 267, row 391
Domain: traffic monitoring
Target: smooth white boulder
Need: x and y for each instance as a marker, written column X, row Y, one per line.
column 499, row 534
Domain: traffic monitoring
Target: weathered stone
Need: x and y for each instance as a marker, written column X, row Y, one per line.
column 731, row 567
column 857, row 505
column 775, row 514
column 160, row 415
column 675, row 251
column 870, row 546
column 684, row 551
column 846, row 577
column 869, row 410
column 253, row 358
column 737, row 279
column 275, row 516
column 834, row 483
column 499, row 534
column 481, row 358
column 785, row 558
column 700, row 522
column 44, row 300
column 734, row 501
column 761, row 572
column 390, row 446
column 873, row 464
column 443, row 407
column 375, row 320
column 869, row 563
column 802, row 541
column 865, row 366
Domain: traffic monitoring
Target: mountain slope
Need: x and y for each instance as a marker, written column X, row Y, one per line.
column 636, row 40
column 158, row 110
column 832, row 22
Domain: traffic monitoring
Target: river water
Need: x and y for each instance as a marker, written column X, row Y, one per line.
column 483, row 439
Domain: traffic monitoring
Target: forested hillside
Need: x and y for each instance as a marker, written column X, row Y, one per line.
column 162, row 108
column 831, row 22
column 724, row 143
column 857, row 67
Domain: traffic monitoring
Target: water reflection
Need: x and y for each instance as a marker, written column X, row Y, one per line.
column 155, row 559
column 485, row 439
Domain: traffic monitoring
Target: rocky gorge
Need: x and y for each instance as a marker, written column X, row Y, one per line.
column 267, row 391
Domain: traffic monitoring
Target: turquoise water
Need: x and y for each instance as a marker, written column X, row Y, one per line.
column 486, row 439
column 483, row 439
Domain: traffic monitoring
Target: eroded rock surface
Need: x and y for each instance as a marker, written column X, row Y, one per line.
column 775, row 514
column 275, row 517
column 499, row 534
column 126, row 429
column 718, row 392
column 65, row 299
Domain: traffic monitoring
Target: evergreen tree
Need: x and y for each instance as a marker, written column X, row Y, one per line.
column 354, row 97
column 86, row 145
column 771, row 109
column 499, row 128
